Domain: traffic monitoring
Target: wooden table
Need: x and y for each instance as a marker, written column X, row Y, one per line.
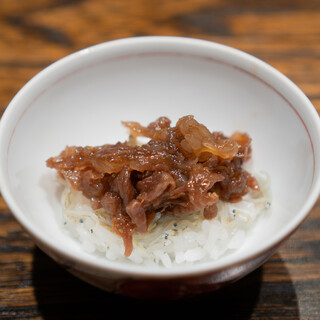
column 35, row 33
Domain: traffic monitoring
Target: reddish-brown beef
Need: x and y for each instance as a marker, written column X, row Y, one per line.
column 182, row 169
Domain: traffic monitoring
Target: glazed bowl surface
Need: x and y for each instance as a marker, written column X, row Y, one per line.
column 82, row 100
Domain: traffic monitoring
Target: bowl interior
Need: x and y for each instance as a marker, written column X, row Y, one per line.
column 82, row 99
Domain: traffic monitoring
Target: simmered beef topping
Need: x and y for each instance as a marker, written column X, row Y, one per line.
column 182, row 169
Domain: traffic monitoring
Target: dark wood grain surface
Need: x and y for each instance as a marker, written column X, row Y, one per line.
column 35, row 33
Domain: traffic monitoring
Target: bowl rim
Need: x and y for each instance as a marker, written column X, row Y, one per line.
column 143, row 271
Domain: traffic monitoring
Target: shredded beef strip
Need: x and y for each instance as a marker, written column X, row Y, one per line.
column 182, row 169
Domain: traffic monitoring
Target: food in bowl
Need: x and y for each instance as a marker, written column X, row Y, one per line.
column 224, row 88
column 184, row 196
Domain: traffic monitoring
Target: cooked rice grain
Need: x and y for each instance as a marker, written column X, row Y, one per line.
column 170, row 240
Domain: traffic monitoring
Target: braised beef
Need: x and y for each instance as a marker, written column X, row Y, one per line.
column 182, row 169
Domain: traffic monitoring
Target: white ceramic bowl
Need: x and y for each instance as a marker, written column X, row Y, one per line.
column 82, row 99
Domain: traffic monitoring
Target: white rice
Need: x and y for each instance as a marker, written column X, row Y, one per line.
column 170, row 240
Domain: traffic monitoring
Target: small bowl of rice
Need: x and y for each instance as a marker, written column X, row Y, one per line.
column 160, row 167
